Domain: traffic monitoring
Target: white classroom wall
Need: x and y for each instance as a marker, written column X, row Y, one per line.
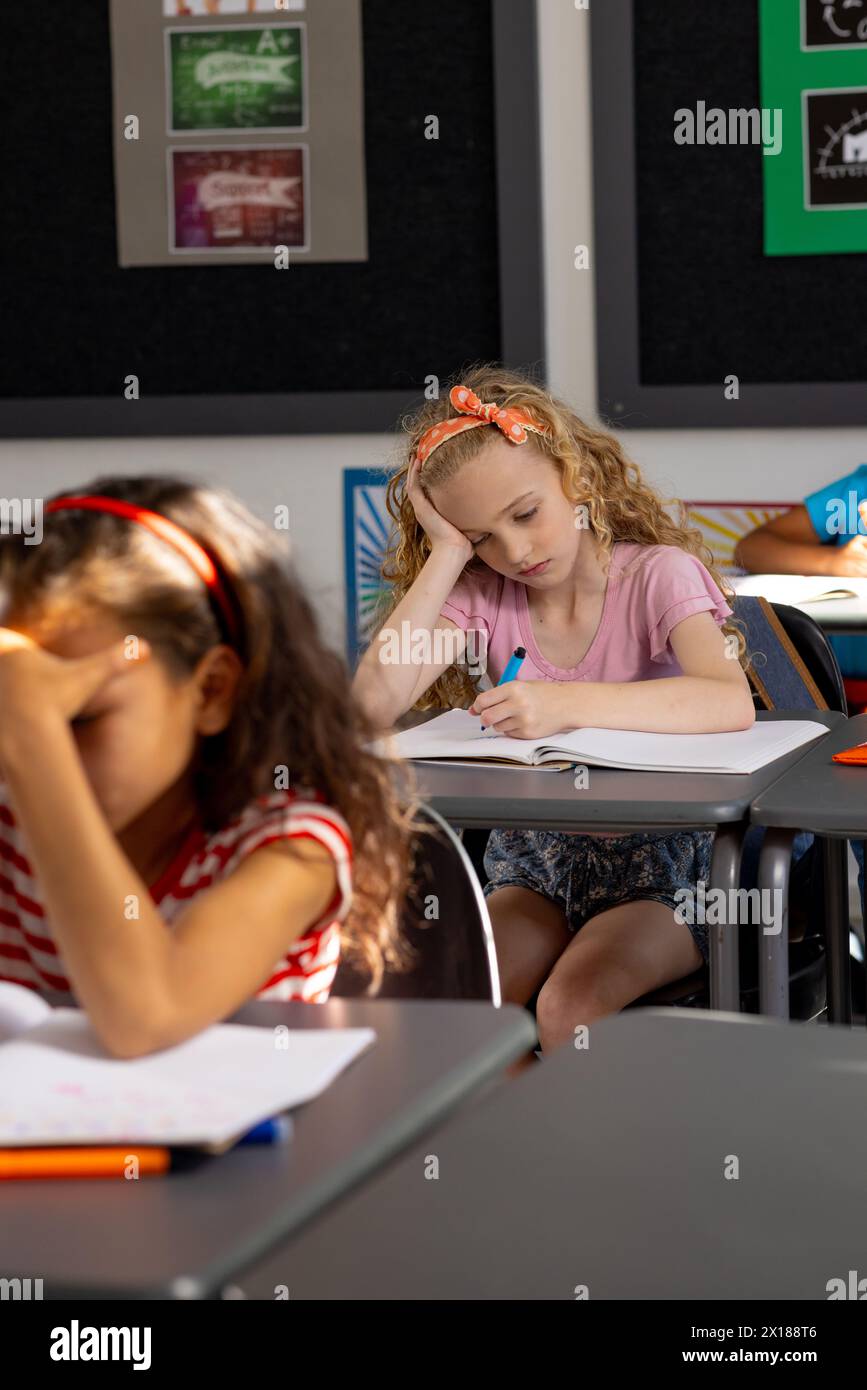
column 778, row 464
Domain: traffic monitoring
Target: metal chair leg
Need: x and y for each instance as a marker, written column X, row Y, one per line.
column 775, row 863
column 836, row 866
column 725, row 989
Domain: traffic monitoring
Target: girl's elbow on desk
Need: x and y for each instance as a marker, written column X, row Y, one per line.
column 381, row 713
column 746, row 718
column 723, row 707
column 737, row 711
column 132, row 1024
column 138, row 1031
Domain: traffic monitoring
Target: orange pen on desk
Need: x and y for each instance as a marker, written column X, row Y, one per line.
column 855, row 755
column 83, row 1162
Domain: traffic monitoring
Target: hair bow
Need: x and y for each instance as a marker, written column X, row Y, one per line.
column 511, row 420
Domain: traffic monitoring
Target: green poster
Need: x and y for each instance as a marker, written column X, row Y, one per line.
column 236, row 79
column 814, row 70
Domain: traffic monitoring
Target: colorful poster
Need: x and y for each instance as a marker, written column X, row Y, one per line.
column 814, row 70
column 230, row 199
column 236, row 79
column 723, row 524
column 367, row 529
column 187, row 9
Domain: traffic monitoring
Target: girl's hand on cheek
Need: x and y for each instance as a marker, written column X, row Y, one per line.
column 34, row 683
column 436, row 528
column 522, row 709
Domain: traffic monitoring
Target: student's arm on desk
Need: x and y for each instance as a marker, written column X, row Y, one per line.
column 789, row 545
column 146, row 986
column 712, row 695
column 386, row 688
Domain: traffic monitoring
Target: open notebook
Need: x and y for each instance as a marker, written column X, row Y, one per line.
column 59, row 1086
column 798, row 588
column 456, row 737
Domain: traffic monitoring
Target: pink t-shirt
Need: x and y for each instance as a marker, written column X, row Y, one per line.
column 651, row 588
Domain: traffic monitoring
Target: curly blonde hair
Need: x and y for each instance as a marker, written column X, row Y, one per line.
column 594, row 472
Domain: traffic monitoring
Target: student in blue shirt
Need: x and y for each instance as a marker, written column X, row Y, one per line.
column 827, row 535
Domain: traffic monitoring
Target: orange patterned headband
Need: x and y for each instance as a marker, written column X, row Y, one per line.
column 513, row 422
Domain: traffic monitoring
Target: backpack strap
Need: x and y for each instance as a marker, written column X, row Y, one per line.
column 776, row 671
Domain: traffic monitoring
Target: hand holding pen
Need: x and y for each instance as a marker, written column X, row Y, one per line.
column 513, row 666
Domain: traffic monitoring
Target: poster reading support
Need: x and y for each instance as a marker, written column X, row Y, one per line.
column 814, row 69
column 187, row 9
column 236, row 79
column 227, row 199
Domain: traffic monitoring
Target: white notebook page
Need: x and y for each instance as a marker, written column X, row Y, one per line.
column 58, row 1085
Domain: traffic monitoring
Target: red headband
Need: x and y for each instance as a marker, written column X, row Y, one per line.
column 167, row 531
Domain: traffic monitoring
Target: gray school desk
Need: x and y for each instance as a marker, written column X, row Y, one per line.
column 830, row 800
column 624, row 801
column 606, row 1168
column 184, row 1235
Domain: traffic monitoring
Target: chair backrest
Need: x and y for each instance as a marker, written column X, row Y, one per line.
column 445, row 919
column 793, row 664
column 816, row 652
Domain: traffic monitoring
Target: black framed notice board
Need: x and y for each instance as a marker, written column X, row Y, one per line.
column 453, row 271
column 687, row 297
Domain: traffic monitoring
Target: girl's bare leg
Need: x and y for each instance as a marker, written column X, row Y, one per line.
column 615, row 958
column 530, row 934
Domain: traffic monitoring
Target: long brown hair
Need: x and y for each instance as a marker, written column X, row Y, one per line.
column 595, row 473
column 294, row 707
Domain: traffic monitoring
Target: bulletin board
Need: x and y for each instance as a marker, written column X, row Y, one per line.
column 688, row 296
column 453, row 272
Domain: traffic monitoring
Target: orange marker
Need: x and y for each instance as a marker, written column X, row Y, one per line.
column 83, row 1162
column 858, row 754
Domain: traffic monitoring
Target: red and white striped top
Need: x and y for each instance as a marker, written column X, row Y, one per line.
column 28, row 955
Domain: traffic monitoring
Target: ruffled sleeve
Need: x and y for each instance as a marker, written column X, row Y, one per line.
column 677, row 586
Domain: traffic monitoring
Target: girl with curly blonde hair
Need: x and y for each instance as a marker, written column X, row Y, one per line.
column 521, row 526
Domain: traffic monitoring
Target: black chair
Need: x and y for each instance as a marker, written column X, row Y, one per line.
column 454, row 956
column 816, row 652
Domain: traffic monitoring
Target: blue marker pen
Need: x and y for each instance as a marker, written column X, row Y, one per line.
column 274, row 1131
column 513, row 666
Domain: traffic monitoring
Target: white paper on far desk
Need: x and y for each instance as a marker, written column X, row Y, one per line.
column 59, row 1086
column 455, row 735
column 799, row 588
